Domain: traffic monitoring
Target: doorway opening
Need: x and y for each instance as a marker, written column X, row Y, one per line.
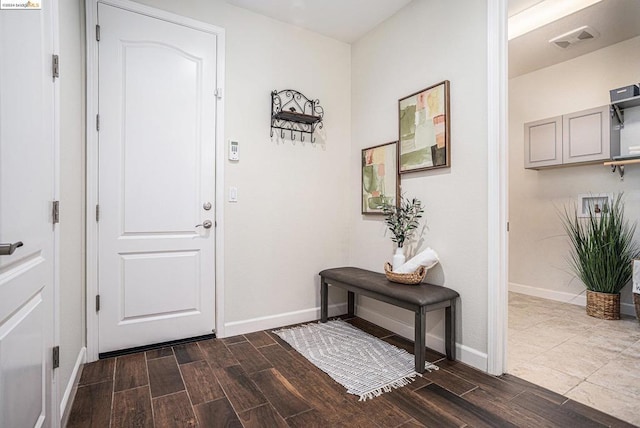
column 551, row 340
column 155, row 177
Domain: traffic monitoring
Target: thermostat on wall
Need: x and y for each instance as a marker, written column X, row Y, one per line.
column 234, row 150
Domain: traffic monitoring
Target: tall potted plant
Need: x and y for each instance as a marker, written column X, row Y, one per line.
column 602, row 251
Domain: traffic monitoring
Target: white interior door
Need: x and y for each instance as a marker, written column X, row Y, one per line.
column 27, row 180
column 156, row 267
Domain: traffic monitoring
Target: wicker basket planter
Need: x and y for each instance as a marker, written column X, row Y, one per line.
column 605, row 306
column 636, row 303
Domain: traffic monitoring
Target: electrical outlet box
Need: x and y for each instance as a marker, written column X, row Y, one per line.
column 234, row 150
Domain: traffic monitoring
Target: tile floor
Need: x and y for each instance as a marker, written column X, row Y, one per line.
column 558, row 346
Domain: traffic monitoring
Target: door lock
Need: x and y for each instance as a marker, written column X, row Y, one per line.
column 206, row 206
column 206, row 224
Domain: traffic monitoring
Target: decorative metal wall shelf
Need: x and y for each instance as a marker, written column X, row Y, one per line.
column 292, row 112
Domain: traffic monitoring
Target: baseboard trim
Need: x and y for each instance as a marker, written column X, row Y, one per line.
column 279, row 320
column 72, row 387
column 561, row 296
column 464, row 353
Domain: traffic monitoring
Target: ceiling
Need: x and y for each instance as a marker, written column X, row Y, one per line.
column 344, row 20
column 615, row 20
column 349, row 20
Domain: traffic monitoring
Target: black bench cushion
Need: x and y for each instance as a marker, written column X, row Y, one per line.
column 421, row 295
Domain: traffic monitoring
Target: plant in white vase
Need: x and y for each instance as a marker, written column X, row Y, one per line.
column 402, row 220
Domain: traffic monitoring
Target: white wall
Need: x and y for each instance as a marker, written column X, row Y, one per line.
column 292, row 215
column 72, row 319
column 291, row 220
column 538, row 245
column 423, row 44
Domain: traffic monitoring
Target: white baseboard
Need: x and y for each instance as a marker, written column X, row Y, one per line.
column 464, row 353
column 72, row 386
column 561, row 296
column 274, row 321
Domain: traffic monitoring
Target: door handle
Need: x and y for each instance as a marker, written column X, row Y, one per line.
column 206, row 224
column 8, row 249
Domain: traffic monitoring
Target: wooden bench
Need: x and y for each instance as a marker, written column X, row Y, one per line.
column 420, row 299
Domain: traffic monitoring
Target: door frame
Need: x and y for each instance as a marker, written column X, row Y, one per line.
column 58, row 389
column 92, row 159
column 497, row 187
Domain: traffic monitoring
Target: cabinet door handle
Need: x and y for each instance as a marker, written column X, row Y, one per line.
column 8, row 249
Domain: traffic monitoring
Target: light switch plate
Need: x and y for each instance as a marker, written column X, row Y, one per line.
column 233, row 194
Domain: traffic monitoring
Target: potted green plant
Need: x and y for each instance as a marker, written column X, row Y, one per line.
column 402, row 220
column 602, row 250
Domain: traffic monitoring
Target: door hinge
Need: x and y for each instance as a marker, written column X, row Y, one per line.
column 218, row 93
column 97, row 33
column 507, row 226
column 55, row 212
column 97, row 302
column 97, row 122
column 97, row 212
column 55, row 66
column 56, row 357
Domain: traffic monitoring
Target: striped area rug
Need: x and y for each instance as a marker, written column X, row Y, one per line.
column 364, row 364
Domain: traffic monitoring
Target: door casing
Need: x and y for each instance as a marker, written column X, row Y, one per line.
column 497, row 187
column 92, row 160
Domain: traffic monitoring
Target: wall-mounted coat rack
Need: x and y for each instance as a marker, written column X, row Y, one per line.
column 293, row 112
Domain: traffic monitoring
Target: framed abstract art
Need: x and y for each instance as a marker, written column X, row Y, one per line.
column 380, row 181
column 424, row 129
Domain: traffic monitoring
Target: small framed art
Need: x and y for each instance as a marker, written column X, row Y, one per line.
column 424, row 129
column 380, row 180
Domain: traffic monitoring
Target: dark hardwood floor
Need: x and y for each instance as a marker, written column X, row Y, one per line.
column 257, row 380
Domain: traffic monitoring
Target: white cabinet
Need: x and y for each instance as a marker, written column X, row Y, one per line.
column 543, row 143
column 583, row 137
column 586, row 136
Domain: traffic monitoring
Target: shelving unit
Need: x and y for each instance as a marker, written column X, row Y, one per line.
column 619, row 162
column 293, row 112
column 620, row 106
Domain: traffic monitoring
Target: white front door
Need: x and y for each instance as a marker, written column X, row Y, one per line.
column 156, row 226
column 27, row 189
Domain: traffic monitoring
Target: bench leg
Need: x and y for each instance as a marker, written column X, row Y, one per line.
column 419, row 345
column 324, row 300
column 450, row 330
column 351, row 303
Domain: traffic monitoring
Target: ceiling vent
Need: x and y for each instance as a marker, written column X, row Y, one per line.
column 574, row 37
